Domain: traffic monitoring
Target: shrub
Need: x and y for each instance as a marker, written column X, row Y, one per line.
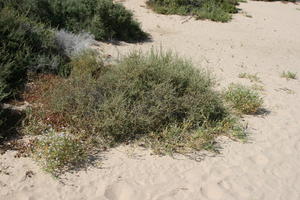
column 289, row 75
column 156, row 99
column 58, row 152
column 243, row 99
column 102, row 18
column 25, row 45
column 216, row 10
column 140, row 95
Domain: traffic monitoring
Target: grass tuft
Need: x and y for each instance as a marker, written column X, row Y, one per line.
column 251, row 77
column 243, row 99
column 289, row 75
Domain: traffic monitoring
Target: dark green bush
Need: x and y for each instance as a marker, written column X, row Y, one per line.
column 103, row 18
column 216, row 10
column 25, row 45
column 140, row 95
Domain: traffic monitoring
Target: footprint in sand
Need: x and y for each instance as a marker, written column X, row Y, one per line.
column 123, row 191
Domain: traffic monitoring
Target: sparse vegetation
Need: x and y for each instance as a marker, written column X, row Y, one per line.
column 216, row 10
column 289, row 75
column 258, row 87
column 243, row 99
column 251, row 77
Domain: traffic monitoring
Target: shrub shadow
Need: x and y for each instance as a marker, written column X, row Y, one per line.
column 149, row 39
column 262, row 112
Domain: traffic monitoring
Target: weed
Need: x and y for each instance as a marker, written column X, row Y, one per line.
column 184, row 140
column 289, row 75
column 243, row 99
column 258, row 87
column 58, row 152
column 251, row 77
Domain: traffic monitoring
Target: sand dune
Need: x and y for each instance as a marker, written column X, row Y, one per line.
column 265, row 168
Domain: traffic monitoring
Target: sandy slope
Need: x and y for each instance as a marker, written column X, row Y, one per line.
column 266, row 168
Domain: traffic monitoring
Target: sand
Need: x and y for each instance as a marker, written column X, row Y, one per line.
column 267, row 167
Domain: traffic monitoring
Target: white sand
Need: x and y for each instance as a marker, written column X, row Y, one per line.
column 266, row 168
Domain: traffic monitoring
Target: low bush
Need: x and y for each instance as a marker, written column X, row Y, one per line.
column 243, row 99
column 141, row 94
column 216, row 10
column 103, row 18
column 155, row 99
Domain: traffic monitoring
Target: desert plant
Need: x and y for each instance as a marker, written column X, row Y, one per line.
column 243, row 99
column 289, row 75
column 216, row 10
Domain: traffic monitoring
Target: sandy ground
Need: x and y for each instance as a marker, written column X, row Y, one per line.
column 265, row 168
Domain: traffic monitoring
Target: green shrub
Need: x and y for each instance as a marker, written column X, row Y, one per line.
column 156, row 99
column 58, row 152
column 216, row 10
column 142, row 94
column 243, row 98
column 25, row 45
column 103, row 18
